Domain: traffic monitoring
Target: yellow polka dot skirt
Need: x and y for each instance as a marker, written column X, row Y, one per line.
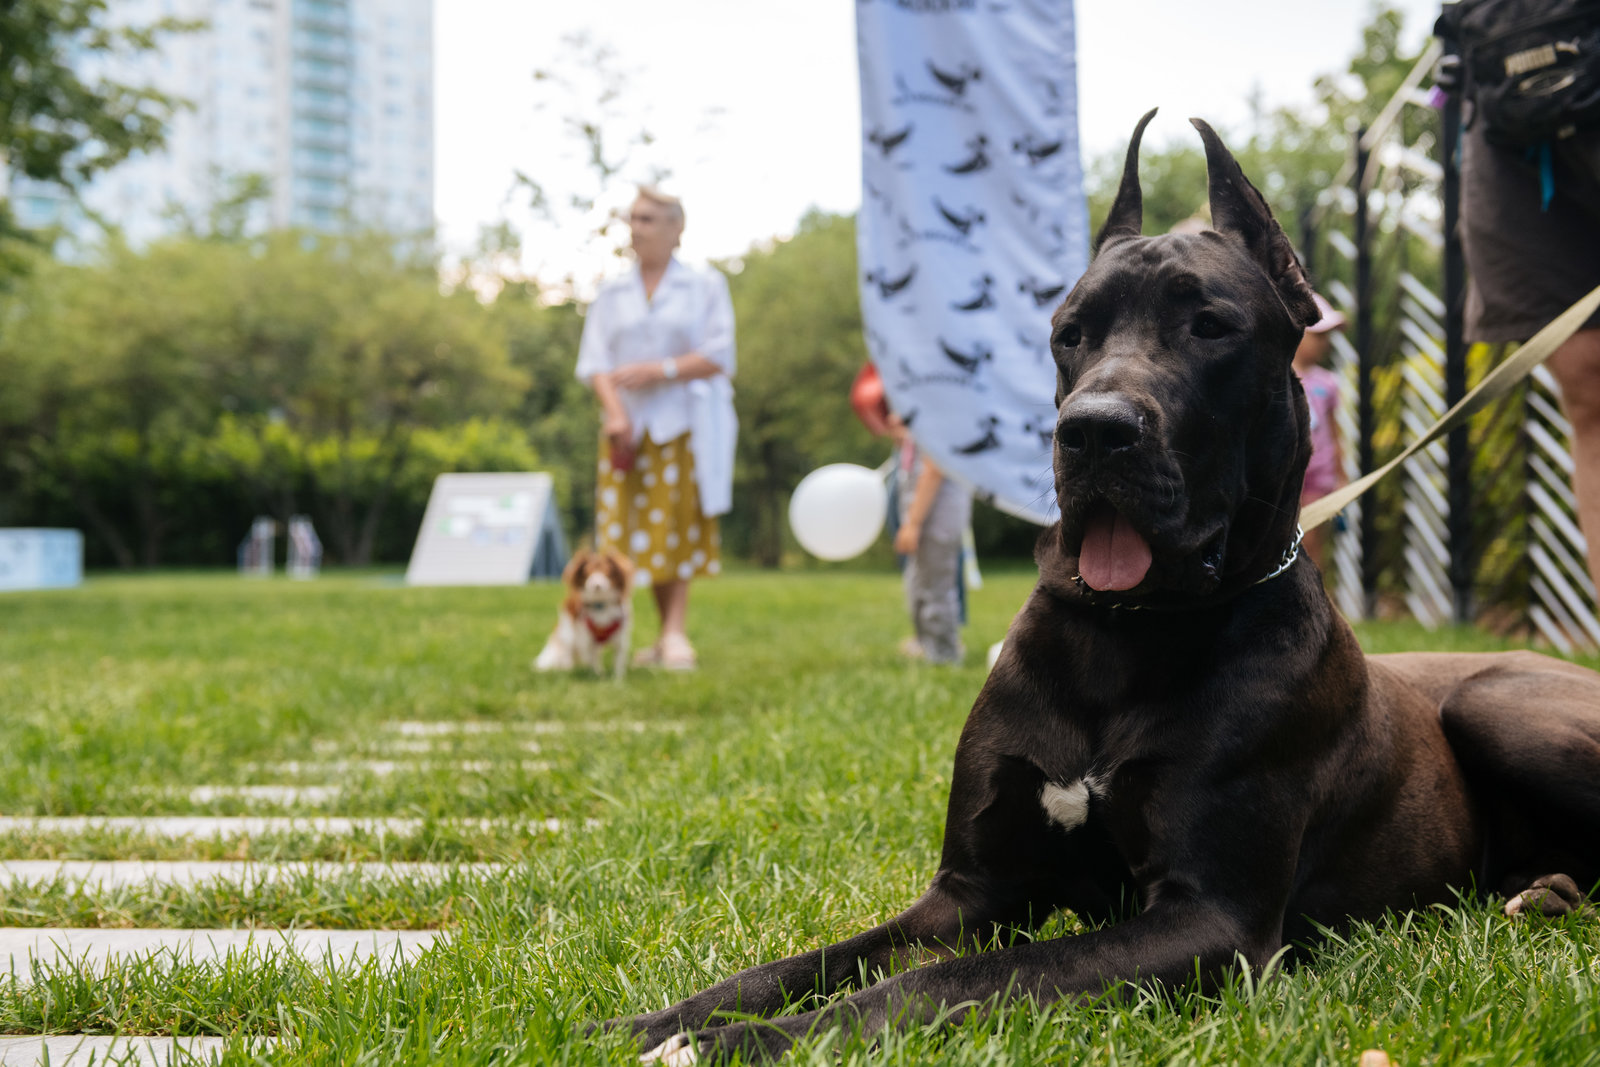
column 651, row 513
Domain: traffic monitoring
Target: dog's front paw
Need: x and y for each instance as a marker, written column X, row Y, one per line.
column 676, row 1051
column 650, row 1031
column 764, row 1041
column 1551, row 895
column 751, row 1042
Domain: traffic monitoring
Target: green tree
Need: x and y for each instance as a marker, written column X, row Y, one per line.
column 300, row 369
column 58, row 122
column 356, row 348
column 1296, row 157
column 558, row 412
column 797, row 305
column 119, row 355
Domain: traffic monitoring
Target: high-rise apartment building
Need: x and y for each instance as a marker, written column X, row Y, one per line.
column 331, row 101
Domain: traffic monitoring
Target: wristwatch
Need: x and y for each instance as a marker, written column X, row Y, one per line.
column 669, row 369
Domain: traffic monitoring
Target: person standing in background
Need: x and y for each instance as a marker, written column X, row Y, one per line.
column 1325, row 471
column 1530, row 196
column 658, row 350
column 934, row 512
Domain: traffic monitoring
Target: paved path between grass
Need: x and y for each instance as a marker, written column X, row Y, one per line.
column 383, row 768
column 311, row 796
column 442, row 727
column 228, row 826
column 104, row 873
column 79, row 1050
column 428, row 745
column 55, row 946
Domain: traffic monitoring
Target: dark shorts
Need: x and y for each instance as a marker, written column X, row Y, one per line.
column 1525, row 265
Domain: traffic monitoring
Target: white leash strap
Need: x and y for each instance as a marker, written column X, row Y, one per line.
column 1497, row 383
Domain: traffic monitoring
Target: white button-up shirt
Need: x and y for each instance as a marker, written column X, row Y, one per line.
column 690, row 312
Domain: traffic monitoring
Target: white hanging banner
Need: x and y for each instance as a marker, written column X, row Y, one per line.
column 973, row 226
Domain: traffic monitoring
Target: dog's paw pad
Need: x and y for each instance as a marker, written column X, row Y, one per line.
column 676, row 1051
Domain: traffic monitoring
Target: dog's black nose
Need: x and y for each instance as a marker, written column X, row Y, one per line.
column 1099, row 424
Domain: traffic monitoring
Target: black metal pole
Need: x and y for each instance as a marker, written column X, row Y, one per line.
column 1366, row 374
column 1463, row 564
column 1308, row 242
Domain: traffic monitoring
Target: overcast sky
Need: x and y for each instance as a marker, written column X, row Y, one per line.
column 756, row 108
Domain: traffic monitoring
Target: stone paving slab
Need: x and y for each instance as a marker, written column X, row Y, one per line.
column 118, row 873
column 420, row 746
column 309, row 795
column 96, row 948
column 230, row 826
column 430, row 728
column 385, row 767
column 80, row 1050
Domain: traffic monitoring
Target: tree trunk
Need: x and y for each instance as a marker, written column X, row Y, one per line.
column 769, row 533
column 369, row 524
column 151, row 525
column 120, row 550
column 342, row 525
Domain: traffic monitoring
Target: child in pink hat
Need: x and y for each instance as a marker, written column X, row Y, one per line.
column 1325, row 472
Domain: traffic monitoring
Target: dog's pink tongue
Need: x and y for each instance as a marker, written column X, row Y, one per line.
column 1113, row 556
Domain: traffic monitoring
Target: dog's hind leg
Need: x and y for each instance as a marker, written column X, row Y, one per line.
column 1527, row 735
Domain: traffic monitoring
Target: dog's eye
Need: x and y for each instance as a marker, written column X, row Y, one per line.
column 1068, row 336
column 1208, row 327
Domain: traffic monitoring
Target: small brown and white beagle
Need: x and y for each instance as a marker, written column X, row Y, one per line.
column 596, row 615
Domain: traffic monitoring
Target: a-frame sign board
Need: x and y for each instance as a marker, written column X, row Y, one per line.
column 488, row 529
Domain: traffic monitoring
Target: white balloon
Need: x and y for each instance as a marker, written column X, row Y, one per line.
column 837, row 511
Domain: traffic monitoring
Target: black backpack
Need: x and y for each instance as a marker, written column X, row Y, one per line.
column 1532, row 67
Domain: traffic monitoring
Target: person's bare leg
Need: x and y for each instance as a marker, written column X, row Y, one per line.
column 1576, row 366
column 672, row 601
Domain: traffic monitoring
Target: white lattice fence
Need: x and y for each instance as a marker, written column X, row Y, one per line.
column 1562, row 605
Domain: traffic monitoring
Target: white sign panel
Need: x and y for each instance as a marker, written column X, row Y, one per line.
column 40, row 559
column 488, row 529
column 973, row 226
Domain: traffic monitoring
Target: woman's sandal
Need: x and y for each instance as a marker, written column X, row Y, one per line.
column 676, row 653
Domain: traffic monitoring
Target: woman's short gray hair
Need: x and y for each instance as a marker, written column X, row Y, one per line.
column 673, row 206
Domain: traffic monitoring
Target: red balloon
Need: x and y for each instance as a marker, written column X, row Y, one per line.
column 869, row 402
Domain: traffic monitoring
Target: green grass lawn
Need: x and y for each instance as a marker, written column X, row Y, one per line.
column 789, row 793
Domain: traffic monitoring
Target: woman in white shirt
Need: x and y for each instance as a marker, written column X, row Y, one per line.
column 658, row 351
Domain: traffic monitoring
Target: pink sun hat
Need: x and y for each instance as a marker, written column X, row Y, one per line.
column 1332, row 318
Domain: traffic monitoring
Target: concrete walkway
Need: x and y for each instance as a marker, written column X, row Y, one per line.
column 310, row 796
column 119, row 873
column 447, row 728
column 80, row 1050
column 95, row 948
column 384, row 768
column 230, row 826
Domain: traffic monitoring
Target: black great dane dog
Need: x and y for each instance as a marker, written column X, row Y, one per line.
column 1180, row 719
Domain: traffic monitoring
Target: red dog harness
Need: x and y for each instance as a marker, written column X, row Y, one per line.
column 602, row 634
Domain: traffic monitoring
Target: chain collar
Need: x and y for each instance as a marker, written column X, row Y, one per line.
column 1290, row 554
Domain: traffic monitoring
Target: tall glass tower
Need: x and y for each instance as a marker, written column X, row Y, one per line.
column 331, row 101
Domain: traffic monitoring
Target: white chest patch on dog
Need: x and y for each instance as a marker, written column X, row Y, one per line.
column 1066, row 805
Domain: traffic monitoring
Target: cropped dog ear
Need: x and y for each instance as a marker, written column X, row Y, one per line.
column 1126, row 217
column 574, row 567
column 1237, row 207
